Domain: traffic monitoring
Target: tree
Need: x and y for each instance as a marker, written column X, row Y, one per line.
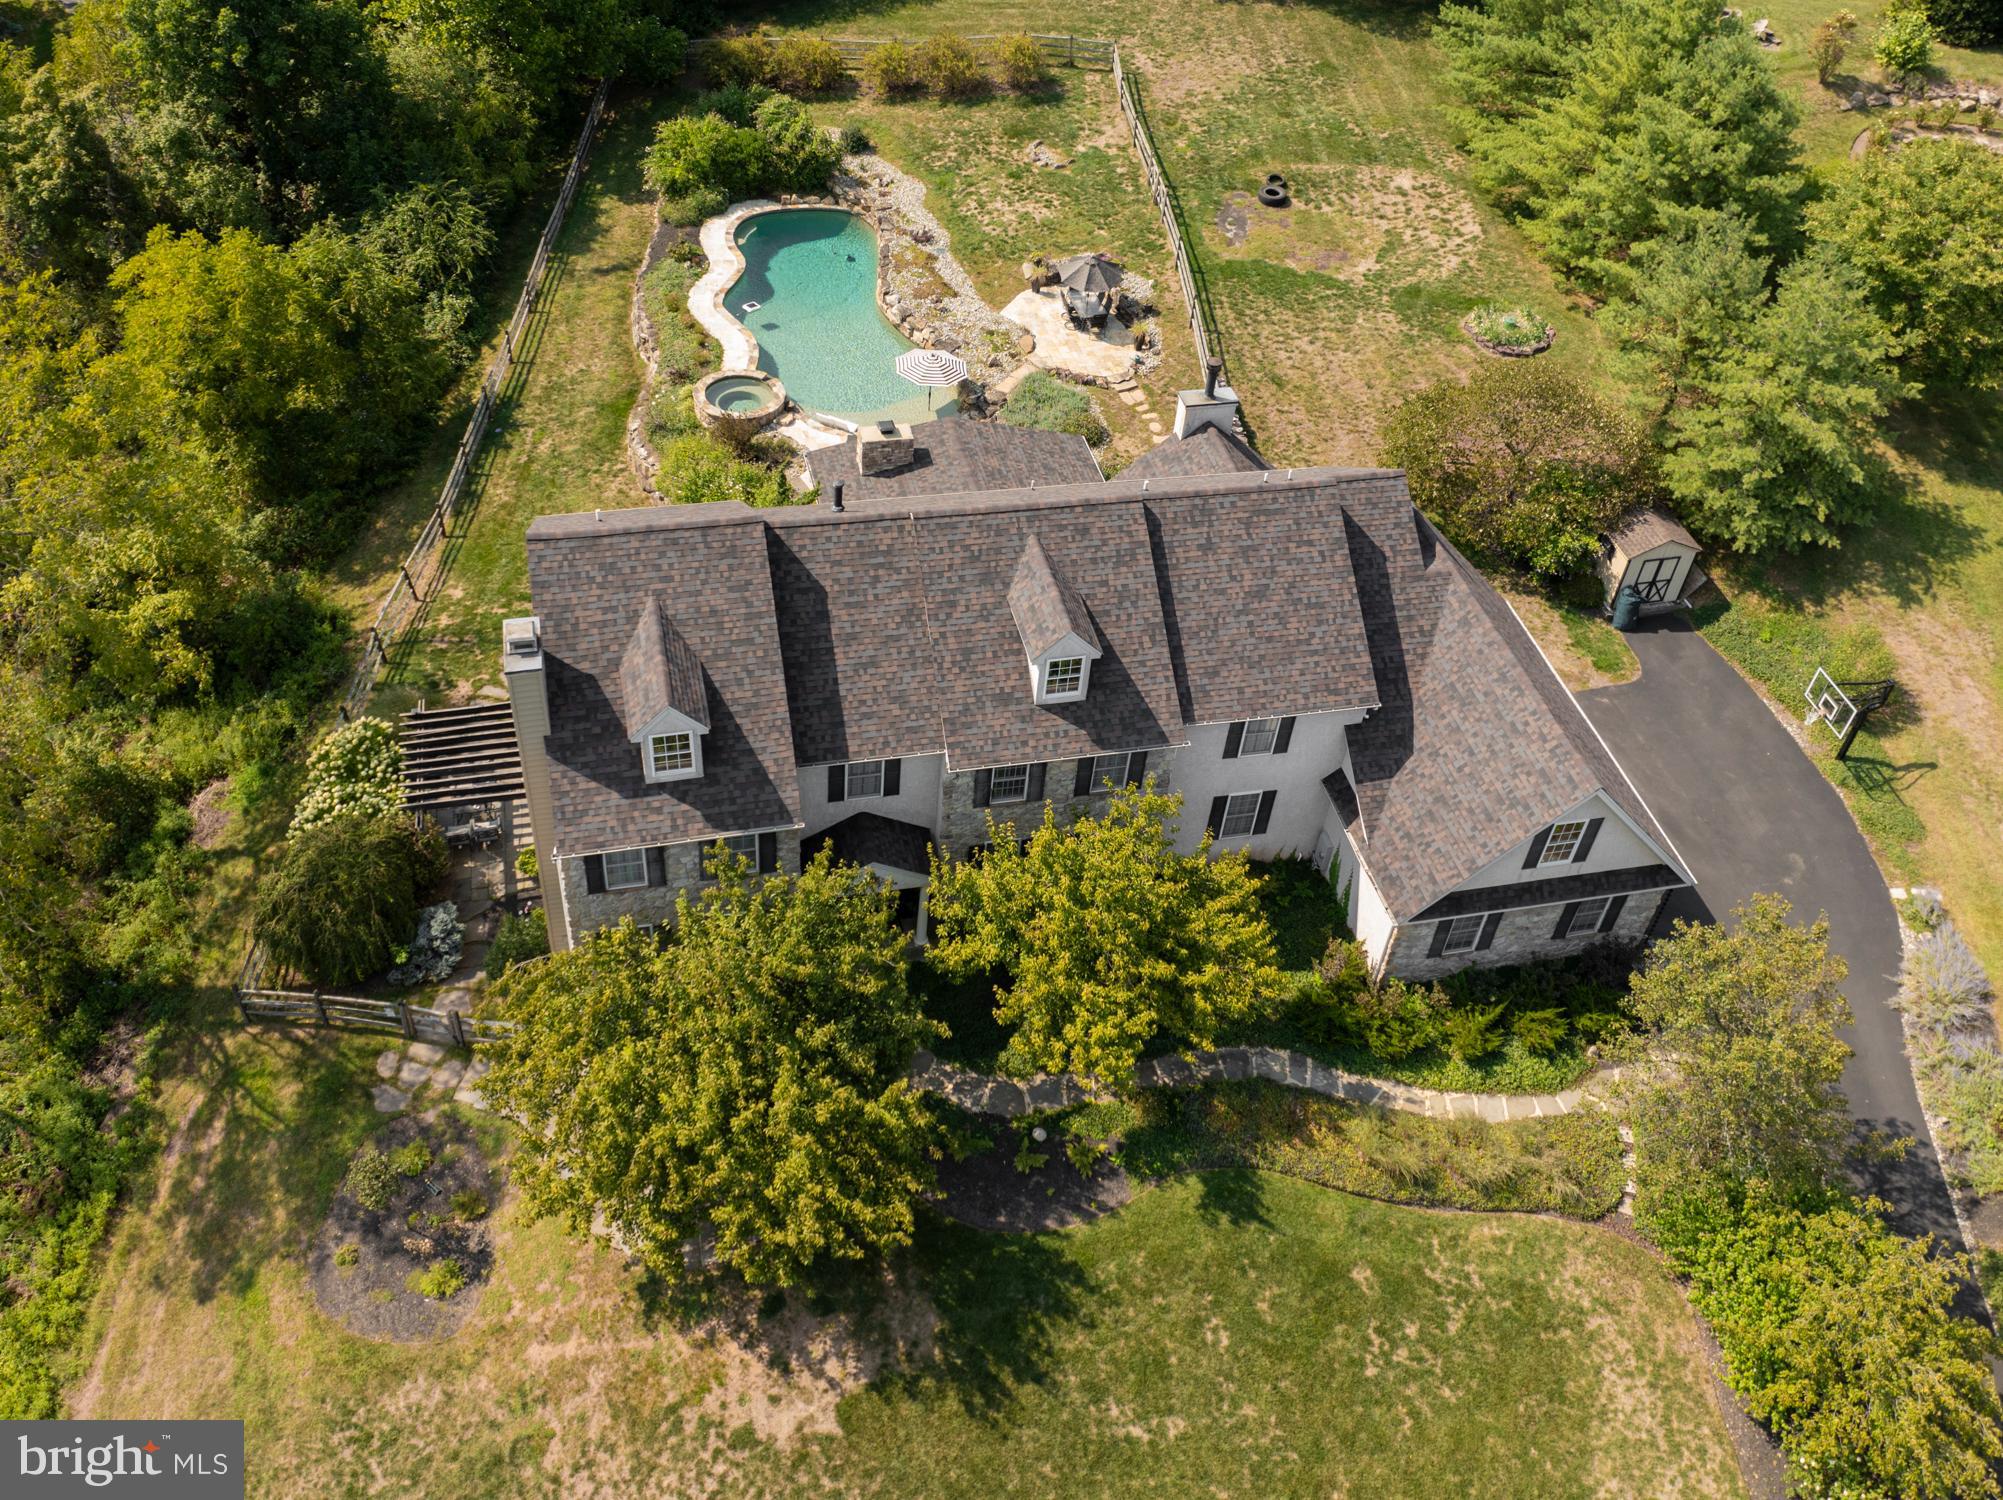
column 746, row 1078
column 1686, row 298
column 800, row 155
column 1842, row 1337
column 1904, row 47
column 344, row 894
column 1921, row 224
column 1108, row 938
column 1831, row 43
column 691, row 153
column 1733, row 1072
column 1776, row 445
column 1522, row 465
column 1967, row 23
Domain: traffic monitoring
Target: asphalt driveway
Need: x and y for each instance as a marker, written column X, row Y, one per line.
column 1749, row 812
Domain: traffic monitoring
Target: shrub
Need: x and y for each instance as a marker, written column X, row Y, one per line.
column 1540, row 1032
column 371, row 1180
column 691, row 208
column 342, row 896
column 1920, row 911
column 518, row 940
column 525, row 862
column 440, row 1280
column 740, row 60
column 1905, row 42
column 1508, row 327
column 356, row 771
column 469, row 1205
column 348, row 1256
column 1471, row 1035
column 435, row 952
column 1046, row 402
column 1941, row 983
column 706, row 154
column 800, row 156
column 806, row 65
column 1831, row 43
column 1020, row 60
column 1395, row 1019
column 949, row 67
column 698, row 468
column 411, row 1159
column 1970, row 1102
column 891, row 69
column 854, row 140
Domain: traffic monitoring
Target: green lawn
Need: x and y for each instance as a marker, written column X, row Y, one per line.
column 1241, row 1331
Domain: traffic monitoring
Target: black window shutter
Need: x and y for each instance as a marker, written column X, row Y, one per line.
column 893, row 777
column 837, row 783
column 1137, row 768
column 1613, row 913
column 657, row 865
column 1036, row 782
column 1439, row 938
column 1536, row 849
column 982, row 781
column 1488, row 929
column 1081, row 784
column 1217, row 816
column 1233, row 737
column 1586, row 840
column 1285, row 736
column 1565, row 919
column 1265, row 819
column 768, row 854
column 594, row 873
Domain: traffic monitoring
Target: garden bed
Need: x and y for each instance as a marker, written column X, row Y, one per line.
column 369, row 1266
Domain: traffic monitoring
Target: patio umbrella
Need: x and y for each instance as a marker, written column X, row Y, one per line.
column 1092, row 274
column 931, row 368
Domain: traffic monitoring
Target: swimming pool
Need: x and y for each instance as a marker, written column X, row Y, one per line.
column 808, row 295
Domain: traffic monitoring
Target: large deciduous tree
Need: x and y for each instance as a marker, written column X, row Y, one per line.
column 746, row 1077
column 1521, row 465
column 1107, row 938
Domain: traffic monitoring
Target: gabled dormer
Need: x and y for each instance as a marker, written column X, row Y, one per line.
column 1058, row 637
column 666, row 697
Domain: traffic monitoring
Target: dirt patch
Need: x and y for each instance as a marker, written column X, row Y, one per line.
column 422, row 1227
column 1234, row 218
column 211, row 813
column 1347, row 222
column 987, row 1192
column 1945, row 661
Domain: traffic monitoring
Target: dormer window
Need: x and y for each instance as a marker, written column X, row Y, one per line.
column 670, row 756
column 1064, row 678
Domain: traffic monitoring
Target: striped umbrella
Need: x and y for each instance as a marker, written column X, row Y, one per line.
column 931, row 368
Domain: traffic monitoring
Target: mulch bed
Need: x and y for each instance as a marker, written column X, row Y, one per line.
column 987, row 1192
column 371, row 1297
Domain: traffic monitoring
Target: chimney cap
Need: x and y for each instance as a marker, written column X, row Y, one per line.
column 1213, row 368
column 836, row 498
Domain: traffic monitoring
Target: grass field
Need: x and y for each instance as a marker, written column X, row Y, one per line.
column 1230, row 1333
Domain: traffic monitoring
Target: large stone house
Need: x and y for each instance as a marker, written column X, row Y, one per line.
column 984, row 625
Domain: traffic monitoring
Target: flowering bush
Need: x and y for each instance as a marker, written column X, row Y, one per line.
column 357, row 770
column 434, row 952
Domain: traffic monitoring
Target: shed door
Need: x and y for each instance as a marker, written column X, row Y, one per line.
column 1652, row 577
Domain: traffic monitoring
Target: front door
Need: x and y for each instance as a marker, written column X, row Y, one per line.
column 1324, row 852
column 1651, row 578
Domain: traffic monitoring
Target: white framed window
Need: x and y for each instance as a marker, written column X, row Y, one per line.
column 1064, row 677
column 1588, row 916
column 739, row 845
column 1008, row 784
column 1563, row 843
column 1259, row 736
column 865, row 778
column 625, row 868
column 1241, row 814
column 1462, row 934
column 1109, row 770
column 669, row 756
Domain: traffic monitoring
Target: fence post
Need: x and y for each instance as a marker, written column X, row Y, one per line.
column 403, row 1015
column 458, row 1026
column 320, row 1007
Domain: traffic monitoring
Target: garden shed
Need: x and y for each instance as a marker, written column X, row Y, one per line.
column 1648, row 550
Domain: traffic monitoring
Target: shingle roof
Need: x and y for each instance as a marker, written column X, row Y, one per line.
column 1208, row 450
column 958, row 456
column 588, row 578
column 1639, row 530
column 868, row 838
column 1045, row 605
column 659, row 671
column 1516, row 895
column 1477, row 745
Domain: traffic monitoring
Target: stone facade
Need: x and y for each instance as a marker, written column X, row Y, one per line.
column 652, row 906
column 1524, row 935
column 963, row 826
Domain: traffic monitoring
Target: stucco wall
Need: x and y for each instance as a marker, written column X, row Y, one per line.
column 917, row 799
column 1523, row 935
column 1203, row 774
column 651, row 906
column 1615, row 847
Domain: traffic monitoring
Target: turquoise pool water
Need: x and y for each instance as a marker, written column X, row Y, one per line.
column 812, row 274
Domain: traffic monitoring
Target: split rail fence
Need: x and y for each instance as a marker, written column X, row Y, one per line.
column 1202, row 320
column 1058, row 51
column 406, row 597
column 418, row 1023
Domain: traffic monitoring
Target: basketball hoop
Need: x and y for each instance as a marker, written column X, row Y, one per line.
column 1830, row 701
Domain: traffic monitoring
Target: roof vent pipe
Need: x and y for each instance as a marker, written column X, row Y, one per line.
column 1212, row 369
column 836, row 499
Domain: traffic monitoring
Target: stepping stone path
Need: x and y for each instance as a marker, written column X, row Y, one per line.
column 419, row 1066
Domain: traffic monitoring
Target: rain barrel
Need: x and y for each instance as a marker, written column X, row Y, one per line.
column 1627, row 607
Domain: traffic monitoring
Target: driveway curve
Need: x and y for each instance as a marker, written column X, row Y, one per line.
column 1749, row 812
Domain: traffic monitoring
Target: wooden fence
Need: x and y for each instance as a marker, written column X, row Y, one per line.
column 407, row 593
column 1058, row 51
column 1202, row 319
column 256, row 1001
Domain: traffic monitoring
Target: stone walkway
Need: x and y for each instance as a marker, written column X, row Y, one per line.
column 1063, row 348
column 1011, row 1098
column 422, row 1066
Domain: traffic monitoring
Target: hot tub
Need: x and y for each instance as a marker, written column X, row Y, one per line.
column 738, row 403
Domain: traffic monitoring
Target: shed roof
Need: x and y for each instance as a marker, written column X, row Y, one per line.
column 1646, row 528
